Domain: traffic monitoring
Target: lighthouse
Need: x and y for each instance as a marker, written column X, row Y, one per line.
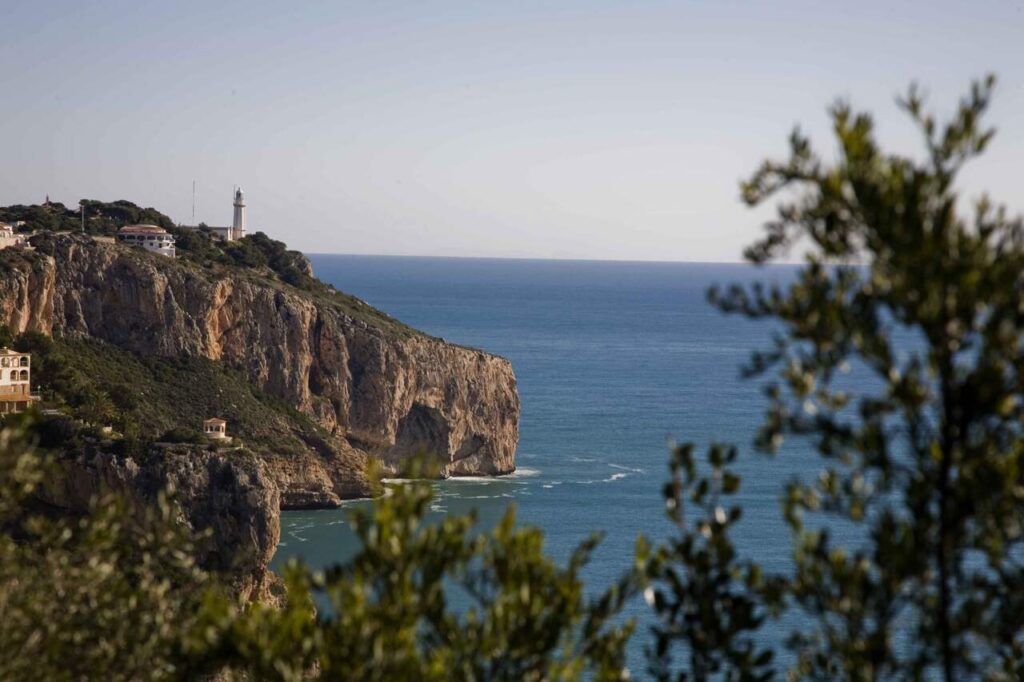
column 227, row 233
column 238, row 224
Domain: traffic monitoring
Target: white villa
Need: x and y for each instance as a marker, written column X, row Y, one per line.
column 150, row 237
column 8, row 237
column 216, row 429
column 237, row 229
column 15, row 381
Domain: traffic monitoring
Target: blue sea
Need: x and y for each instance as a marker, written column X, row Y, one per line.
column 613, row 360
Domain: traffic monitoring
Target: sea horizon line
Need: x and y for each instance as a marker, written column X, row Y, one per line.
column 624, row 261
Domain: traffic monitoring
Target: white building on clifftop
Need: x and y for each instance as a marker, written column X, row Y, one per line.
column 237, row 229
column 8, row 237
column 150, row 237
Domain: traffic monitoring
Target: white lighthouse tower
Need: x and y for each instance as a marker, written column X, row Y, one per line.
column 238, row 224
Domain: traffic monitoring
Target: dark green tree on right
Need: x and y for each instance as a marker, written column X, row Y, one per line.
column 899, row 282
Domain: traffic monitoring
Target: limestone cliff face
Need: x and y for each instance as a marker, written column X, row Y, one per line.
column 387, row 390
column 228, row 496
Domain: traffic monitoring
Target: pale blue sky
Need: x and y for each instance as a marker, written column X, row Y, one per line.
column 541, row 129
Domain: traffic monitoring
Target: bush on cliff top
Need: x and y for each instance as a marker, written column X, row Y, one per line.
column 102, row 218
column 183, row 435
column 256, row 252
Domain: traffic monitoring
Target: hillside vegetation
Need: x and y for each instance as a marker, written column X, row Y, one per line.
column 152, row 398
column 102, row 217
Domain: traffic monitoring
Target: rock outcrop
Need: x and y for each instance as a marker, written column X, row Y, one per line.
column 385, row 389
column 228, row 500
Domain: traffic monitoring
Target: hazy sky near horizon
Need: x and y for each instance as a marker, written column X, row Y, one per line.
column 523, row 129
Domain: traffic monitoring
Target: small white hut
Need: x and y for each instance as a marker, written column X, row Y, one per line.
column 216, row 429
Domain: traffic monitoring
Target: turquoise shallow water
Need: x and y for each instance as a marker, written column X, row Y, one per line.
column 612, row 360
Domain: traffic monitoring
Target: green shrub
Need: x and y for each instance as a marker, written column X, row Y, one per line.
column 182, row 434
column 55, row 431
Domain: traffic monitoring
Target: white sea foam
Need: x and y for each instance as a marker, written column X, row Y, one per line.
column 610, row 479
column 522, row 472
column 624, row 468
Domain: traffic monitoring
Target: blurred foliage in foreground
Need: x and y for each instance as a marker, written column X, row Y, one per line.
column 929, row 465
column 107, row 596
column 392, row 617
column 116, row 595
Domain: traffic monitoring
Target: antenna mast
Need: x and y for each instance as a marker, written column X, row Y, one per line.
column 193, row 202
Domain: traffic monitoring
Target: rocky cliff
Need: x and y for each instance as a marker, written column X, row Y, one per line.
column 227, row 499
column 382, row 389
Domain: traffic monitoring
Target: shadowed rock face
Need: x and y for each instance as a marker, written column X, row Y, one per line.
column 388, row 390
column 230, row 494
